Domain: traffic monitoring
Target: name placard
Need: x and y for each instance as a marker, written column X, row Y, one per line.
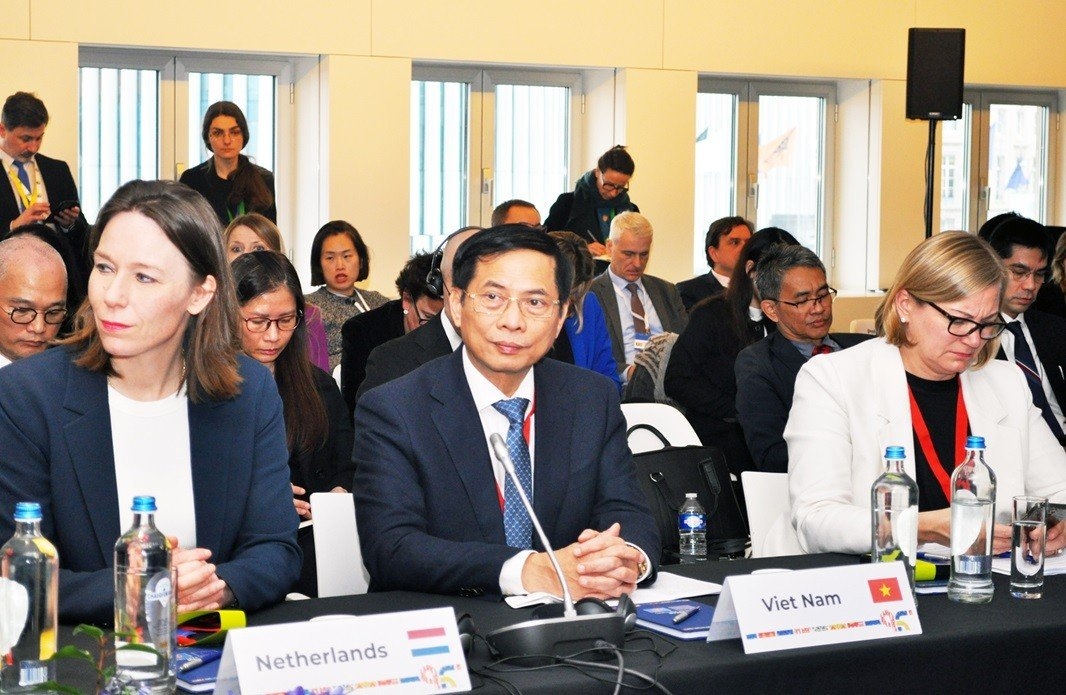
column 786, row 610
column 410, row 652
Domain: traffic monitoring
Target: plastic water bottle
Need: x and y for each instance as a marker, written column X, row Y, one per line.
column 145, row 610
column 973, row 500
column 29, row 604
column 894, row 504
column 692, row 527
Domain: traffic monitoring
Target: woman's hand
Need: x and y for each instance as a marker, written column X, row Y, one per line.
column 303, row 508
column 199, row 588
column 935, row 526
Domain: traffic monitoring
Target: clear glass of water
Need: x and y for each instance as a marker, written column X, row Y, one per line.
column 1028, row 527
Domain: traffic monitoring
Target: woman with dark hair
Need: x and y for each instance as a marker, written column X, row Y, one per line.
column 339, row 259
column 584, row 340
column 700, row 373
column 418, row 303
column 228, row 179
column 317, row 426
column 599, row 196
column 253, row 232
column 150, row 396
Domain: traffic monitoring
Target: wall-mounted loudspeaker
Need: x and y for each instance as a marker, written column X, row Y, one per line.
column 934, row 73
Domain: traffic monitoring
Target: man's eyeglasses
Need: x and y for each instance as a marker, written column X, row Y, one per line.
column 810, row 303
column 494, row 304
column 1020, row 273
column 261, row 324
column 25, row 315
column 960, row 327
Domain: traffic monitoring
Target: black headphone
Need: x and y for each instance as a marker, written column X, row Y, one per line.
column 435, row 277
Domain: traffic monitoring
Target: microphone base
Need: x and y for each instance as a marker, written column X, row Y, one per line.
column 539, row 642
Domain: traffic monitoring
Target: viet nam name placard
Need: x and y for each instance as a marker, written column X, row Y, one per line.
column 410, row 652
column 786, row 610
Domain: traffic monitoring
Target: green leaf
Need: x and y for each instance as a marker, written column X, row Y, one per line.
column 90, row 630
column 138, row 648
column 71, row 652
column 53, row 687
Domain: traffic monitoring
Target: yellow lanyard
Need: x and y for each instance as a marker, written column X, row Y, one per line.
column 28, row 198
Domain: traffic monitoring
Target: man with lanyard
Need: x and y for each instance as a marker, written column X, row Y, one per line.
column 635, row 304
column 42, row 189
column 436, row 511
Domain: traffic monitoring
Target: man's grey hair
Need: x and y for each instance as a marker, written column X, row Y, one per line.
column 632, row 222
column 778, row 260
column 31, row 251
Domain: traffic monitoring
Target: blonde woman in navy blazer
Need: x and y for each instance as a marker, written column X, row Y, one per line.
column 159, row 323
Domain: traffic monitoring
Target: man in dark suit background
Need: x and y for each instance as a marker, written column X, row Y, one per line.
column 791, row 282
column 435, row 339
column 38, row 185
column 436, row 511
column 1034, row 340
column 635, row 304
column 724, row 242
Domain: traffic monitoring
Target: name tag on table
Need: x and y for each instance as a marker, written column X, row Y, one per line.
column 830, row 605
column 410, row 652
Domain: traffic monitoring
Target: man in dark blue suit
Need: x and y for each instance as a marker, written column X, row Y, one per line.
column 436, row 512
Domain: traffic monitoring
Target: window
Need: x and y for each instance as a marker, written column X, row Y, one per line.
column 479, row 138
column 995, row 159
column 761, row 152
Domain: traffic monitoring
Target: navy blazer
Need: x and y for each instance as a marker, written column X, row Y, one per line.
column 403, row 355
column 56, row 449
column 425, row 495
column 696, row 289
column 766, row 378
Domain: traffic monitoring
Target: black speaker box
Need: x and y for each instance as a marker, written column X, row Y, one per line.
column 934, row 73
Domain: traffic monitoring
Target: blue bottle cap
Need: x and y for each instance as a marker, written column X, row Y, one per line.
column 973, row 442
column 143, row 503
column 895, row 452
column 27, row 511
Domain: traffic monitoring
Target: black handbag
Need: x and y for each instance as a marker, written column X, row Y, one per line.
column 667, row 474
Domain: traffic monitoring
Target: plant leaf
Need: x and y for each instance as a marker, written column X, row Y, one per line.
column 71, row 652
column 90, row 630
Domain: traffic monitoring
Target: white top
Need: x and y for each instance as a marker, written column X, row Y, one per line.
column 495, row 422
column 153, row 457
column 454, row 339
column 1006, row 341
column 724, row 279
column 4, row 361
column 625, row 313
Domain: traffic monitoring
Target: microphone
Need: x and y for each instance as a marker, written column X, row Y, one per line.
column 536, row 642
column 502, row 455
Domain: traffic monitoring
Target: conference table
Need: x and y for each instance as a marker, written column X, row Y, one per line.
column 1006, row 645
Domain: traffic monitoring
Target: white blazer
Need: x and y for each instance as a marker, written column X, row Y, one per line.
column 849, row 405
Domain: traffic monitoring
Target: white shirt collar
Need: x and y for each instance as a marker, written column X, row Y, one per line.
column 754, row 313
column 724, row 279
column 485, row 392
column 620, row 282
column 454, row 339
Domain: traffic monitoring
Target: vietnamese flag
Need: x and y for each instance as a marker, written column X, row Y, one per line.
column 882, row 590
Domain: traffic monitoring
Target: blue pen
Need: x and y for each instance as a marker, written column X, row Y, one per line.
column 685, row 615
column 198, row 662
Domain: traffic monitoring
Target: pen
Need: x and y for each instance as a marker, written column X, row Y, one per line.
column 685, row 615
column 198, row 662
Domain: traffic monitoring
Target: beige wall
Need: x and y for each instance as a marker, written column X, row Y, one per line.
column 350, row 135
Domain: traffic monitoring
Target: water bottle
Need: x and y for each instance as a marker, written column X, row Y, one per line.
column 29, row 602
column 145, row 608
column 692, row 527
column 894, row 504
column 973, row 497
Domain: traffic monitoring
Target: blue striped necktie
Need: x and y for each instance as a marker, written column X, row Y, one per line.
column 517, row 525
column 1025, row 360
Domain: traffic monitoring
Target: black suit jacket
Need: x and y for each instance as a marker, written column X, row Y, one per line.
column 359, row 336
column 400, row 356
column 699, row 287
column 1049, row 337
column 60, row 186
column 766, row 377
column 426, row 497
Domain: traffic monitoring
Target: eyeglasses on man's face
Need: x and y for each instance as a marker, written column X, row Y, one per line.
column 961, row 327
column 1021, row 272
column 261, row 324
column 810, row 302
column 26, row 315
column 494, row 304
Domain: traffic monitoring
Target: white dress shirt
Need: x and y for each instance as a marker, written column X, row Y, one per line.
column 625, row 313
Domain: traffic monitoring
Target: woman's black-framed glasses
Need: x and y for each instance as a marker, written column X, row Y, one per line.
column 261, row 324
column 961, row 327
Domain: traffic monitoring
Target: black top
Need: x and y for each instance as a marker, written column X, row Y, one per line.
column 330, row 464
column 359, row 336
column 937, row 401
column 205, row 181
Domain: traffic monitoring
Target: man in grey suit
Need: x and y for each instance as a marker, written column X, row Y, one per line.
column 636, row 305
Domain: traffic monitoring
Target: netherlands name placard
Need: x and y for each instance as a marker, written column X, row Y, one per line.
column 410, row 652
column 830, row 605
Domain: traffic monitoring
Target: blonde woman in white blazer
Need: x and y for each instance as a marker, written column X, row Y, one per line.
column 849, row 405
